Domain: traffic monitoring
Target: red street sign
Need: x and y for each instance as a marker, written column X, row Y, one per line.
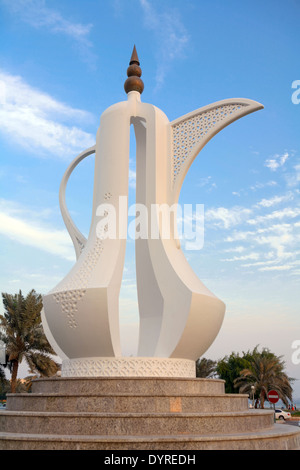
column 273, row 396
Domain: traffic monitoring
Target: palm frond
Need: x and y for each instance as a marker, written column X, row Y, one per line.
column 23, row 334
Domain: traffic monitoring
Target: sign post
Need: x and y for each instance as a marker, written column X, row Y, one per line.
column 273, row 397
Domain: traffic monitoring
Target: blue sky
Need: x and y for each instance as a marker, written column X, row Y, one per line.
column 63, row 63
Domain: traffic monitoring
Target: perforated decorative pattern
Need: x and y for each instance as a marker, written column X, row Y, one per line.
column 188, row 133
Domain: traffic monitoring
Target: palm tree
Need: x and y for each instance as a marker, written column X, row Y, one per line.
column 22, row 332
column 205, row 368
column 265, row 372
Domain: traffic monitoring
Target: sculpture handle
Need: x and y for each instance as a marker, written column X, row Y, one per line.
column 77, row 237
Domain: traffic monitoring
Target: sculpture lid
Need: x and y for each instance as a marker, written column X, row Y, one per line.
column 134, row 72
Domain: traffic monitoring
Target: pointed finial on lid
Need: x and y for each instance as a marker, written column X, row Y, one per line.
column 134, row 57
column 134, row 72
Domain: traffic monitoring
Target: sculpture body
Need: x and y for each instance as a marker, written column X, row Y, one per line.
column 179, row 316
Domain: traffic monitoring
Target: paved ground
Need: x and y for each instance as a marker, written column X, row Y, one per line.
column 291, row 422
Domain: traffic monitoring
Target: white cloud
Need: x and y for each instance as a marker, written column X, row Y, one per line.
column 260, row 185
column 170, row 34
column 254, row 187
column 277, row 242
column 275, row 200
column 259, row 263
column 283, row 267
column 277, row 161
column 206, row 182
column 271, row 258
column 227, row 217
column 274, row 243
column 293, row 179
column 239, row 235
column 287, row 212
column 28, row 230
column 237, row 249
column 132, row 176
column 274, row 237
column 253, row 256
column 39, row 16
column 38, row 122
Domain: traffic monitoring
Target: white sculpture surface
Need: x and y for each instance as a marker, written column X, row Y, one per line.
column 179, row 316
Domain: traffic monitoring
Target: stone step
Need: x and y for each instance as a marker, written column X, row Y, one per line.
column 122, row 403
column 279, row 437
column 130, row 424
column 134, row 385
column 138, row 413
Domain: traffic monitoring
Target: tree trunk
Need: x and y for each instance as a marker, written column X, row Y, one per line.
column 14, row 374
column 262, row 399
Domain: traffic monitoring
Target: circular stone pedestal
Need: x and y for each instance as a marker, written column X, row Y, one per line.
column 128, row 367
column 138, row 413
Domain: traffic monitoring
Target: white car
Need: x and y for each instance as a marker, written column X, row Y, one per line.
column 280, row 414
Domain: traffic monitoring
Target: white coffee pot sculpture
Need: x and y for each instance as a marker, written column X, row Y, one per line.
column 179, row 316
